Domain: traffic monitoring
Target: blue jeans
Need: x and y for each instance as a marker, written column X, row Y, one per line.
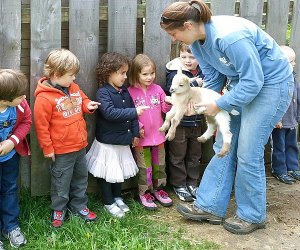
column 244, row 167
column 285, row 150
column 9, row 204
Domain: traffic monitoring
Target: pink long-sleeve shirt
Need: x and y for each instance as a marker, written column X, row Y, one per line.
column 151, row 120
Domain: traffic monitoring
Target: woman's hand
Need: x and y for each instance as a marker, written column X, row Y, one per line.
column 211, row 108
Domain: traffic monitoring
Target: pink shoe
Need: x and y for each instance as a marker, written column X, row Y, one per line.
column 147, row 201
column 163, row 198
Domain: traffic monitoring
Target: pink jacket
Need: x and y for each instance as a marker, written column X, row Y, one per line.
column 151, row 120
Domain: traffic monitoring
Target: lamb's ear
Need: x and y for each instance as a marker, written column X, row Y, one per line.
column 179, row 71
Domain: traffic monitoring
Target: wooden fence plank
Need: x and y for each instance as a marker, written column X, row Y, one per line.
column 45, row 36
column 226, row 7
column 122, row 19
column 295, row 38
column 10, row 47
column 277, row 19
column 84, row 40
column 252, row 10
column 157, row 43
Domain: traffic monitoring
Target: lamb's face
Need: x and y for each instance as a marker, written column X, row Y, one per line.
column 180, row 84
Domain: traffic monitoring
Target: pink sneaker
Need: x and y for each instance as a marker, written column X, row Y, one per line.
column 147, row 201
column 163, row 198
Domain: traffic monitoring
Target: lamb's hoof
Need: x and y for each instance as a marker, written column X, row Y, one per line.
column 201, row 139
column 170, row 137
column 224, row 150
column 162, row 129
column 222, row 154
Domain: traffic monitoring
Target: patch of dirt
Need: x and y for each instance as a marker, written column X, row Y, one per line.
column 282, row 226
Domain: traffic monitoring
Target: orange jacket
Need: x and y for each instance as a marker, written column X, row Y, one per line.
column 58, row 118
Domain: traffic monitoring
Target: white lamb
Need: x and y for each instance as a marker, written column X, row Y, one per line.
column 182, row 94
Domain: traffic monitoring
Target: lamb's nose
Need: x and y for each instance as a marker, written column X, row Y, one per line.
column 172, row 90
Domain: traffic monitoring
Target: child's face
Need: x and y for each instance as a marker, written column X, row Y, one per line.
column 15, row 102
column 146, row 76
column 64, row 80
column 188, row 60
column 117, row 79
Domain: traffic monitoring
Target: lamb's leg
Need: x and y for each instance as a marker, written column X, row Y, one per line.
column 211, row 128
column 223, row 122
column 167, row 121
column 174, row 123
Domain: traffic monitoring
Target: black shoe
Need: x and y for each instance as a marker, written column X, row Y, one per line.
column 193, row 190
column 190, row 211
column 237, row 226
column 284, row 178
column 183, row 193
column 294, row 174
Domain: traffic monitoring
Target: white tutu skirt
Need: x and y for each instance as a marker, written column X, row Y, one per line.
column 114, row 163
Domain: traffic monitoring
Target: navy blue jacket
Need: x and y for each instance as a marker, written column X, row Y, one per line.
column 171, row 71
column 117, row 119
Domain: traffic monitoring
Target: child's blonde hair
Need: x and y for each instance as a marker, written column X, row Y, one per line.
column 184, row 48
column 12, row 84
column 139, row 61
column 59, row 62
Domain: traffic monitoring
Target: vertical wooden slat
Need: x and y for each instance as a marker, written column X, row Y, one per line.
column 277, row 19
column 10, row 31
column 84, row 40
column 222, row 7
column 295, row 37
column 157, row 43
column 122, row 19
column 252, row 10
column 45, row 36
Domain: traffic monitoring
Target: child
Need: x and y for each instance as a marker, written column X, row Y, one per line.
column 15, row 122
column 61, row 132
column 110, row 157
column 285, row 149
column 185, row 151
column 149, row 151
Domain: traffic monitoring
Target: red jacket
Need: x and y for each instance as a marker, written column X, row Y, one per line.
column 21, row 129
column 58, row 118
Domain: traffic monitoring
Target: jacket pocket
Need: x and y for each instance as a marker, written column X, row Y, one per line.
column 74, row 133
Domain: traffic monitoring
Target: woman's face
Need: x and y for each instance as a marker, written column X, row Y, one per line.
column 181, row 35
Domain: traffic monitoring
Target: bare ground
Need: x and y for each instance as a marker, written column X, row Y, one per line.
column 282, row 226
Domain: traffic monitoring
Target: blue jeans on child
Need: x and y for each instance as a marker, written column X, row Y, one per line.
column 244, row 167
column 9, row 203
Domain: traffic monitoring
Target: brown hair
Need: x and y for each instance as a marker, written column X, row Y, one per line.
column 12, row 84
column 184, row 48
column 174, row 16
column 139, row 62
column 109, row 63
column 60, row 62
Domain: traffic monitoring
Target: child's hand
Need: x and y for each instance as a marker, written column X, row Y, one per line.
column 142, row 133
column 278, row 125
column 135, row 141
column 200, row 82
column 168, row 99
column 140, row 110
column 6, row 146
column 93, row 105
column 52, row 156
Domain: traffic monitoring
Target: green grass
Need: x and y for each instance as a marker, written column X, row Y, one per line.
column 136, row 231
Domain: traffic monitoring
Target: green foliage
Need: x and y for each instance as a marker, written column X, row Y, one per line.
column 136, row 231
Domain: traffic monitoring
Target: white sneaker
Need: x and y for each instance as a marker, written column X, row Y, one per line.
column 121, row 204
column 114, row 210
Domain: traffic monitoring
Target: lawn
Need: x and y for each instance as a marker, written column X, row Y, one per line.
column 136, row 231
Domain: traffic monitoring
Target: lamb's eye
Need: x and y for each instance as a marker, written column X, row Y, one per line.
column 181, row 85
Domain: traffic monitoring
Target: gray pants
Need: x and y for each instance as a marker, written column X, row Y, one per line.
column 69, row 179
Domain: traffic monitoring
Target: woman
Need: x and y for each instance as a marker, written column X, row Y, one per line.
column 259, row 86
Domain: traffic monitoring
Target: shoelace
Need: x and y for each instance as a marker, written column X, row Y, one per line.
column 162, row 193
column 149, row 197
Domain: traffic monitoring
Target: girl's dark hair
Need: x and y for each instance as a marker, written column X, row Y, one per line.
column 138, row 63
column 13, row 84
column 109, row 63
column 174, row 16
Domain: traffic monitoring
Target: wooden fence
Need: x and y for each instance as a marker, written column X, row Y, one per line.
column 29, row 29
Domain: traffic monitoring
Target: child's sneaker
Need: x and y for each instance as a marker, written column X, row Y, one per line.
column 87, row 215
column 16, row 238
column 57, row 218
column 163, row 198
column 120, row 203
column 1, row 246
column 114, row 210
column 147, row 200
